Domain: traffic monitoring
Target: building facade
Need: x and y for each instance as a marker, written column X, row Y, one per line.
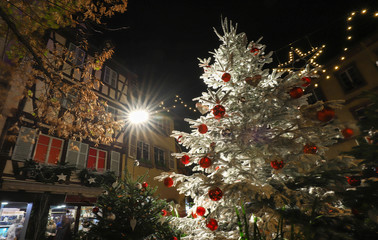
column 45, row 177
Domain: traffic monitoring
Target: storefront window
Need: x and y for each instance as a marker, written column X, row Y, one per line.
column 12, row 220
column 61, row 221
column 86, row 218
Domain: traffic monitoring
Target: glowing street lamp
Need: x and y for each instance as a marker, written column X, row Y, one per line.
column 138, row 116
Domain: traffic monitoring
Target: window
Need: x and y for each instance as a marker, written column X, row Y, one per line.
column 171, row 161
column 77, row 55
column 111, row 110
column 24, row 144
column 350, row 78
column 77, row 153
column 110, row 77
column 163, row 126
column 48, row 149
column 114, row 162
column 316, row 95
column 159, row 157
column 96, row 159
column 68, row 101
column 143, row 151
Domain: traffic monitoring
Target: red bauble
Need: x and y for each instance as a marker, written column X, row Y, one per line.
column 310, row 149
column 200, row 211
column 168, row 182
column 144, row 184
column 307, row 81
column 212, row 224
column 164, row 212
column 347, row 132
column 219, row 111
column 179, row 138
column 185, row 159
column 277, row 165
column 354, row 181
column 226, row 77
column 95, row 210
column 255, row 50
column 194, row 215
column 325, row 115
column 215, row 194
column 174, row 238
column 205, row 162
column 202, row 128
column 296, row 92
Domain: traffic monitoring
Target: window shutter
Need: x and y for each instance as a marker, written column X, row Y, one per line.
column 114, row 162
column 24, row 144
column 132, row 146
column 81, row 162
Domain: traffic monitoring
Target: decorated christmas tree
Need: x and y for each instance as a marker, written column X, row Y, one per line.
column 259, row 145
column 129, row 210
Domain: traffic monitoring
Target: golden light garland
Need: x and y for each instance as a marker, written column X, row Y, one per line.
column 177, row 101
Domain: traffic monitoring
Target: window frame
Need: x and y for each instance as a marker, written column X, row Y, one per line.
column 79, row 153
column 108, row 80
column 97, row 158
column 157, row 156
column 74, row 59
column 353, row 82
column 48, row 151
column 143, row 150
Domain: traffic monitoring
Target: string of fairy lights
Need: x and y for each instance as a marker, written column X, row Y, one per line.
column 296, row 54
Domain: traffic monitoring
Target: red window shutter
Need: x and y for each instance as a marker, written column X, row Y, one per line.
column 101, row 161
column 56, row 147
column 41, row 149
column 92, row 156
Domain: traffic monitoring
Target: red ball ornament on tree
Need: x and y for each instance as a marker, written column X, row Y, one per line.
column 296, row 92
column 212, row 224
column 347, row 132
column 325, row 115
column 226, row 77
column 310, row 149
column 219, row 111
column 164, row 212
column 215, row 194
column 200, row 211
column 306, row 81
column 202, row 128
column 174, row 238
column 95, row 210
column 255, row 50
column 354, row 181
column 185, row 159
column 168, row 182
column 277, row 165
column 205, row 162
column 194, row 215
column 144, row 184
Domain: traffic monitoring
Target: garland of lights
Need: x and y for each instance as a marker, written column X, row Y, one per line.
column 177, row 100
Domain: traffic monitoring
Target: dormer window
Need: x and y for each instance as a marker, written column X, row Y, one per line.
column 110, row 77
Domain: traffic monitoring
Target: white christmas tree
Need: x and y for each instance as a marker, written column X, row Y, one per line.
column 257, row 137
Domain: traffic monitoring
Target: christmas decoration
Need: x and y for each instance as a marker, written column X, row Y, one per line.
column 168, row 182
column 253, row 81
column 347, row 132
column 212, row 224
column 91, row 180
column 219, row 111
column 296, row 92
column 266, row 126
column 128, row 213
column 164, row 212
column 255, row 50
column 205, row 162
column 325, row 115
column 185, row 159
column 226, row 77
column 61, row 177
column 95, row 210
column 215, row 194
column 144, row 184
column 310, row 149
column 174, row 238
column 277, row 164
column 307, row 81
column 138, row 186
column 202, row 128
column 354, row 180
column 200, row 211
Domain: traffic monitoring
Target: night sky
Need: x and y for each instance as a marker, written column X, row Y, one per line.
column 164, row 38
